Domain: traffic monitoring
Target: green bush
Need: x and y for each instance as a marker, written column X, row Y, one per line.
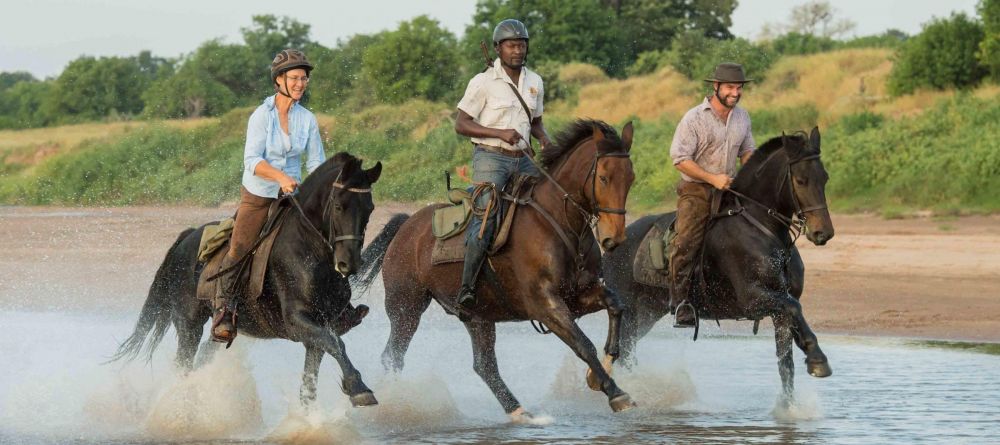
column 942, row 56
column 989, row 48
column 796, row 44
column 696, row 56
column 774, row 121
column 854, row 123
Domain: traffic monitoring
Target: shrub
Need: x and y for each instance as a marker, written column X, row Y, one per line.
column 942, row 56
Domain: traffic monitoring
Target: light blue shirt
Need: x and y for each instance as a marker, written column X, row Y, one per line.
column 264, row 143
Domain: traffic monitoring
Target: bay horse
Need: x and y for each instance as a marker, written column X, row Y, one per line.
column 750, row 266
column 305, row 287
column 547, row 272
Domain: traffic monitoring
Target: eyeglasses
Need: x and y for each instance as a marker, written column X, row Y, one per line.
column 303, row 79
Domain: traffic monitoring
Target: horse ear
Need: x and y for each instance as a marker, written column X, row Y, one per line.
column 374, row 172
column 627, row 136
column 598, row 134
column 814, row 138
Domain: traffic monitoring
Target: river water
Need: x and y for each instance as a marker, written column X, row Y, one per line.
column 721, row 389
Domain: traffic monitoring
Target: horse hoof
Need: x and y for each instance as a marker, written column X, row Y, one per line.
column 519, row 415
column 621, row 403
column 819, row 369
column 363, row 399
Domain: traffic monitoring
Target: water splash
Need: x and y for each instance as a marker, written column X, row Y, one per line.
column 304, row 426
column 407, row 402
column 805, row 406
column 219, row 400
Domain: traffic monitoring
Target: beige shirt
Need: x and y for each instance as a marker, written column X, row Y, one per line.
column 712, row 144
column 492, row 104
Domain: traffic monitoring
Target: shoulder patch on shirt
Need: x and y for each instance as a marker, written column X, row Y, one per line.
column 533, row 91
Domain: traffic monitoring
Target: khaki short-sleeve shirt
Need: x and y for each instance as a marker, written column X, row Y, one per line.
column 711, row 143
column 491, row 103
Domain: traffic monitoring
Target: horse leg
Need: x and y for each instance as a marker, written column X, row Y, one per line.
column 484, row 362
column 310, row 373
column 614, row 306
column 206, row 352
column 404, row 307
column 816, row 362
column 188, row 335
column 561, row 323
column 314, row 335
column 641, row 313
column 786, row 367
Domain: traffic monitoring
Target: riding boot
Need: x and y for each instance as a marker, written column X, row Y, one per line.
column 475, row 255
column 224, row 311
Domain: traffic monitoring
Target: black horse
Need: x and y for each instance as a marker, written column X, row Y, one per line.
column 305, row 287
column 751, row 268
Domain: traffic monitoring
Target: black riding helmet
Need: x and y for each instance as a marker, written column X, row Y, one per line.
column 288, row 59
column 509, row 29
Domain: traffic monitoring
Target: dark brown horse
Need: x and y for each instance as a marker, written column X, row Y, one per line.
column 305, row 288
column 541, row 274
column 751, row 268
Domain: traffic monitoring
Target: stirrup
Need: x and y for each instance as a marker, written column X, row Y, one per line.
column 694, row 315
column 466, row 297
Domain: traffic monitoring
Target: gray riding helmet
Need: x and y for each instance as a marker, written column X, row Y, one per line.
column 509, row 29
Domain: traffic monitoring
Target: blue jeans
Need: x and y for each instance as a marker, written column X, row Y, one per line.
column 498, row 169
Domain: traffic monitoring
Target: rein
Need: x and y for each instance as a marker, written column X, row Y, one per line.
column 295, row 204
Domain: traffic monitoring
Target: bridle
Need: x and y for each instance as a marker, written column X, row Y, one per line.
column 795, row 225
column 330, row 243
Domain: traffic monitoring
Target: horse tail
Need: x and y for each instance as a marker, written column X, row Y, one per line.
column 154, row 319
column 374, row 254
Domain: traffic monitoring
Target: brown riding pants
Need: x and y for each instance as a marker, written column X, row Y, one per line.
column 693, row 212
column 250, row 218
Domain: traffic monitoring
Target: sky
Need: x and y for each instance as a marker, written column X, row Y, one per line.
column 42, row 36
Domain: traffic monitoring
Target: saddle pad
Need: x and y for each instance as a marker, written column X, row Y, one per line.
column 451, row 220
column 451, row 250
column 650, row 265
column 214, row 236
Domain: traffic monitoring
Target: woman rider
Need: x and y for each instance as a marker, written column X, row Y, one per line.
column 279, row 131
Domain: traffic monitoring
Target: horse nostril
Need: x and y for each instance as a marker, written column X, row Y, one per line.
column 343, row 268
column 608, row 244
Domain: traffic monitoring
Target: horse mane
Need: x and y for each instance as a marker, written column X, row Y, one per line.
column 570, row 138
column 763, row 153
column 343, row 164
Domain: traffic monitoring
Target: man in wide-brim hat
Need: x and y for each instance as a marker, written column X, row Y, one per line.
column 708, row 140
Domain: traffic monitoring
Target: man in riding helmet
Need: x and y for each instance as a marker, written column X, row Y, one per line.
column 708, row 140
column 500, row 111
column 279, row 132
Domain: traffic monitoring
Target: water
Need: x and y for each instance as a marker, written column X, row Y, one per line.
column 720, row 389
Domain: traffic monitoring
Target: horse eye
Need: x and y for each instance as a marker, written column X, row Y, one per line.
column 800, row 181
column 604, row 180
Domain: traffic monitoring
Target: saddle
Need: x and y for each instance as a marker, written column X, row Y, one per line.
column 651, row 266
column 450, row 221
column 210, row 260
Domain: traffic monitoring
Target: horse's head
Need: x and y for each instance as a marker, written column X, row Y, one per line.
column 612, row 179
column 807, row 179
column 346, row 210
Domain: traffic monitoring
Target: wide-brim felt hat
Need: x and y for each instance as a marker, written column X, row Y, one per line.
column 729, row 73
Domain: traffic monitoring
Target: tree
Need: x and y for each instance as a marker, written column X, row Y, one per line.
column 190, row 93
column 91, row 88
column 813, row 18
column 9, row 79
column 269, row 34
column 415, row 60
column 696, row 56
column 21, row 105
column 942, row 56
column 989, row 48
column 561, row 31
column 654, row 24
column 337, row 81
